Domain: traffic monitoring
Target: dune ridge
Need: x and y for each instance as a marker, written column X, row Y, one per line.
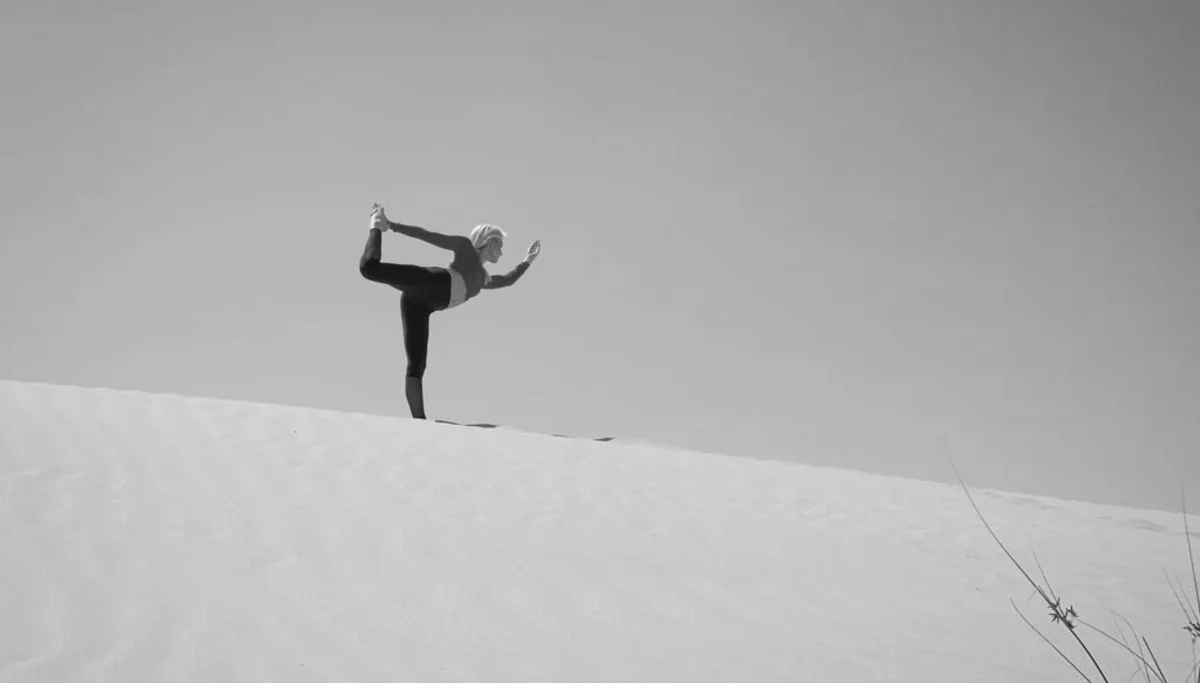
column 161, row 537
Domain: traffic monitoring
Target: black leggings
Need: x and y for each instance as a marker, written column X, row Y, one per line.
column 423, row 291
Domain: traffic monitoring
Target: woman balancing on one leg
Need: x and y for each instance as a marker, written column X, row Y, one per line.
column 425, row 290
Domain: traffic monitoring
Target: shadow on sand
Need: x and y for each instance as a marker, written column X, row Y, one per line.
column 487, row 425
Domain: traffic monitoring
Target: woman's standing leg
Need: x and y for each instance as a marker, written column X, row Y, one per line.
column 424, row 290
column 415, row 317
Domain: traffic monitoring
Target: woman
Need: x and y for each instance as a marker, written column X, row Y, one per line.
column 425, row 290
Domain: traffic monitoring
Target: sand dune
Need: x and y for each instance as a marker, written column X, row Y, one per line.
column 163, row 538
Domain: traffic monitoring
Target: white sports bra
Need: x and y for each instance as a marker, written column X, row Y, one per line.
column 458, row 289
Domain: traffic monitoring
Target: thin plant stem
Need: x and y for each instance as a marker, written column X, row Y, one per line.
column 1053, row 604
column 1179, row 597
column 1050, row 643
column 1141, row 659
column 1187, row 534
column 1157, row 666
column 1041, row 571
column 1143, row 667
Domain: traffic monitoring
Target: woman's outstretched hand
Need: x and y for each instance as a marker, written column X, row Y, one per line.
column 534, row 250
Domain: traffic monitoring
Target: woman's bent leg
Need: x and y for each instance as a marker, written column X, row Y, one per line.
column 406, row 278
column 372, row 252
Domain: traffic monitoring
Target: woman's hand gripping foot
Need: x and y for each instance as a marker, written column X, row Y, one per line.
column 378, row 218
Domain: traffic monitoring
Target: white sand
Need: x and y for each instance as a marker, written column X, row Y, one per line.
column 160, row 538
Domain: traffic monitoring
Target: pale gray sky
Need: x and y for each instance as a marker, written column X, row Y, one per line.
column 833, row 232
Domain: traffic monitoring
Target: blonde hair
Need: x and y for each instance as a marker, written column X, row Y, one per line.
column 484, row 233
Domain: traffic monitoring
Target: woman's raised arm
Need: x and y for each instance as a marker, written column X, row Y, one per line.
column 437, row 239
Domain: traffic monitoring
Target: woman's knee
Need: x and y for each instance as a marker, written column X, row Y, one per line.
column 369, row 268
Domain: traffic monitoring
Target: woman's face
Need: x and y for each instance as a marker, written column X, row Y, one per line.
column 492, row 251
